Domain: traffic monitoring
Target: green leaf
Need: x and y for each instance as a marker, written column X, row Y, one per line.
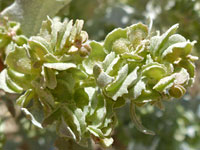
column 15, row 87
column 23, row 80
column 123, row 89
column 97, row 54
column 173, row 39
column 99, row 113
column 177, row 50
column 121, row 46
column 25, row 99
column 157, row 42
column 139, row 87
column 136, row 33
column 102, row 78
column 49, row 77
column 3, row 84
column 182, row 77
column 99, row 138
column 63, row 35
column 39, row 46
column 147, row 95
column 31, row 13
column 44, row 94
column 52, row 117
column 19, row 61
column 165, row 83
column 65, row 88
column 119, row 103
column 20, row 40
column 73, row 122
column 154, row 70
column 35, row 113
column 189, row 66
column 59, row 66
column 81, row 98
column 132, row 57
column 112, row 37
column 122, row 73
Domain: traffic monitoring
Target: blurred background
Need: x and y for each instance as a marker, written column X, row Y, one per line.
column 176, row 128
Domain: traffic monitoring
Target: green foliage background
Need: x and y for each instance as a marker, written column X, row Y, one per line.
column 178, row 127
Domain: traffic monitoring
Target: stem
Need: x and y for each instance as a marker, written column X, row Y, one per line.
column 137, row 122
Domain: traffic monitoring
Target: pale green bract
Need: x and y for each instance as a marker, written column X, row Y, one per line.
column 76, row 84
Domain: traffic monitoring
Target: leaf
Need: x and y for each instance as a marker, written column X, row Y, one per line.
column 138, row 88
column 20, row 40
column 49, row 77
column 31, row 13
column 44, row 94
column 132, row 57
column 19, row 61
column 102, row 78
column 64, row 130
column 107, row 142
column 165, row 83
column 97, row 54
column 182, row 77
column 73, row 122
column 120, row 46
column 99, row 138
column 147, row 95
column 39, row 46
column 3, row 84
column 25, row 99
column 15, row 87
column 59, row 66
column 173, row 39
column 23, row 80
column 114, row 66
column 177, row 50
column 154, row 70
column 112, row 37
column 65, row 88
column 189, row 66
column 99, row 114
column 136, row 33
column 63, row 35
column 35, row 113
column 122, row 73
column 81, row 98
column 123, row 89
column 52, row 117
column 108, row 60
column 119, row 103
column 157, row 42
